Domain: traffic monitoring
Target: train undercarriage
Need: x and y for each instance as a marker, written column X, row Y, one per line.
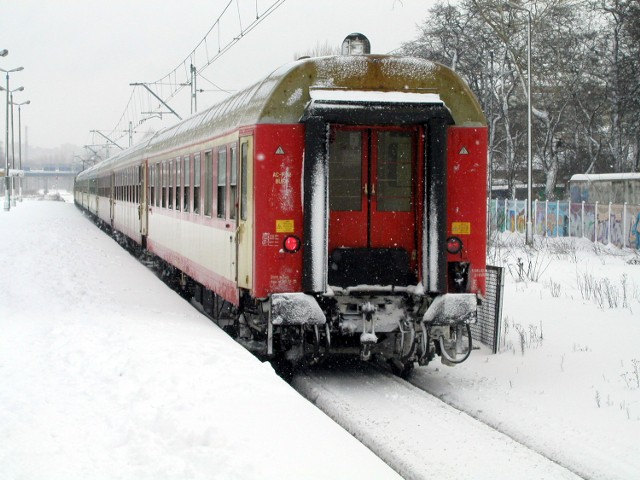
column 400, row 328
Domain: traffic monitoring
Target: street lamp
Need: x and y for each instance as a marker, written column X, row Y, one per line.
column 13, row 149
column 13, row 146
column 529, row 227
column 7, row 194
column 27, row 102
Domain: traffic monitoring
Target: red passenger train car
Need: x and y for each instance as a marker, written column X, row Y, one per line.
column 335, row 207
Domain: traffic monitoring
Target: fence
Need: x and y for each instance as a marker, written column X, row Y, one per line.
column 487, row 328
column 604, row 223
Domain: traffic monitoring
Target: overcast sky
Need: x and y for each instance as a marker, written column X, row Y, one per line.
column 79, row 56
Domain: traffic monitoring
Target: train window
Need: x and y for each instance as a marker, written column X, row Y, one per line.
column 178, row 184
column 394, row 172
column 164, row 184
column 222, row 181
column 233, row 182
column 196, row 184
column 345, row 171
column 208, row 182
column 244, row 160
column 171, row 173
column 187, row 183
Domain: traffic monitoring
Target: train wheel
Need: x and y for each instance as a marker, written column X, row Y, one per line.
column 403, row 370
column 284, row 367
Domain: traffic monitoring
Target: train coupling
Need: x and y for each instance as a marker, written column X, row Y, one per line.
column 368, row 337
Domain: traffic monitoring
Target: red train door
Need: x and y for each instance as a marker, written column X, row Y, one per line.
column 372, row 199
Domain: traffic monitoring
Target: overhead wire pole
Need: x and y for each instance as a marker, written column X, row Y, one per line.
column 529, row 224
column 194, row 89
column 157, row 97
column 107, row 138
column 201, row 50
column 506, row 40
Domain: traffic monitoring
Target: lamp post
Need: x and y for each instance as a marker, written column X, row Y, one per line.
column 27, row 102
column 13, row 146
column 529, row 226
column 7, row 194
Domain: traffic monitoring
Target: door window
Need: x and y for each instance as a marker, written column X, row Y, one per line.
column 345, row 171
column 394, row 171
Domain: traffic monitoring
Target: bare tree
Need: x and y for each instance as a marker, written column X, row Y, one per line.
column 320, row 50
column 585, row 87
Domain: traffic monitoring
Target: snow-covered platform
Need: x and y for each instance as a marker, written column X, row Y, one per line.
column 106, row 373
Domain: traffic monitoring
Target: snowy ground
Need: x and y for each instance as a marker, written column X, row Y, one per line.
column 566, row 381
column 105, row 373
column 421, row 436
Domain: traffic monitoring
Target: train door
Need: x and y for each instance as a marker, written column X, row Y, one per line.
column 112, row 199
column 244, row 263
column 142, row 198
column 372, row 206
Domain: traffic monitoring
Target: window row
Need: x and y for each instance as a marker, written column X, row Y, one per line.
column 126, row 185
column 199, row 184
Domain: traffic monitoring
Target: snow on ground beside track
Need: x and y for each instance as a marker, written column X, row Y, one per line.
column 568, row 386
column 105, row 373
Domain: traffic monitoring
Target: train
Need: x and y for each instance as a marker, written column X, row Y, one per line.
column 336, row 207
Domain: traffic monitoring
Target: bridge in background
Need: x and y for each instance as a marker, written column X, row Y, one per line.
column 43, row 180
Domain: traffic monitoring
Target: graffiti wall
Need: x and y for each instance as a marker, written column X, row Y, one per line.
column 603, row 223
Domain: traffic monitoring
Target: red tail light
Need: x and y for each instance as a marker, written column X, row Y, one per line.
column 292, row 244
column 454, row 245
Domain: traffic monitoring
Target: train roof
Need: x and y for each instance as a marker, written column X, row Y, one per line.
column 284, row 95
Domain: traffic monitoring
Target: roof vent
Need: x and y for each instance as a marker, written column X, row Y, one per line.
column 356, row 44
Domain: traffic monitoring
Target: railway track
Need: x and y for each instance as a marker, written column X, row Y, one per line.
column 418, row 435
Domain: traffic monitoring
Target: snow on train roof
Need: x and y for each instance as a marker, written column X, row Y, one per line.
column 373, row 96
column 283, row 96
